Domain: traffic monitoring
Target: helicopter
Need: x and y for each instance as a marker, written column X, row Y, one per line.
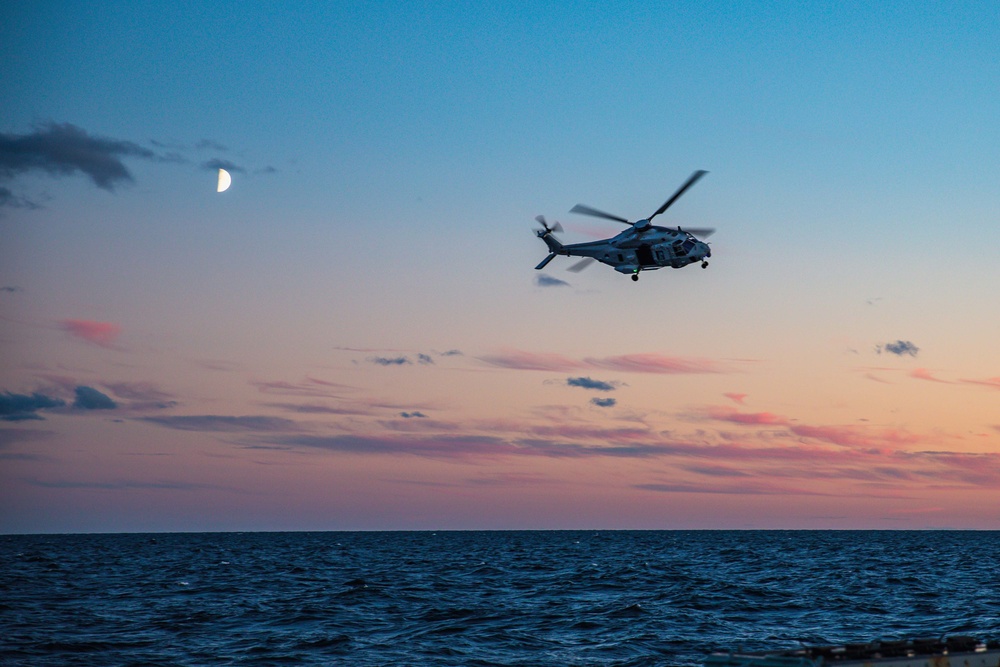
column 642, row 247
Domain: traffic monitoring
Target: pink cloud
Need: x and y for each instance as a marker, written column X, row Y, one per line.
column 721, row 413
column 98, row 333
column 924, row 374
column 736, row 398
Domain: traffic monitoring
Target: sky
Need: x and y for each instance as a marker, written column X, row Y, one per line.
column 353, row 336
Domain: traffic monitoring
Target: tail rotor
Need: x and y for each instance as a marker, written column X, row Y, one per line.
column 556, row 227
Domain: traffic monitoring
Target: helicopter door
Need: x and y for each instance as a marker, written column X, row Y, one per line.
column 645, row 255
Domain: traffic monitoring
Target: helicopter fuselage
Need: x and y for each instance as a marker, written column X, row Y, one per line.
column 633, row 250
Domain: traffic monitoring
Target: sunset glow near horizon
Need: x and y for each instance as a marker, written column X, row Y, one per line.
column 352, row 336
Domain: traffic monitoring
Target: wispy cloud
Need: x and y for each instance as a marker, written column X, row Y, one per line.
column 309, row 387
column 313, row 409
column 899, row 348
column 99, row 333
column 825, row 460
column 10, row 200
column 604, row 402
column 738, row 488
column 218, row 163
column 857, row 437
column 531, row 361
column 724, row 413
column 655, row 363
column 141, row 395
column 738, row 399
column 13, row 436
column 123, row 485
column 225, row 424
column 138, row 391
column 993, row 383
column 434, row 447
column 626, row 363
column 211, row 145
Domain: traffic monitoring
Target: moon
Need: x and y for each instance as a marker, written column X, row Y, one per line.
column 225, row 180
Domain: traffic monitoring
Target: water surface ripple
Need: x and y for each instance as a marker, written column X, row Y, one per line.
column 506, row 598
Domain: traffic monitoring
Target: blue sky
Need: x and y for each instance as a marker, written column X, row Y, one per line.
column 388, row 161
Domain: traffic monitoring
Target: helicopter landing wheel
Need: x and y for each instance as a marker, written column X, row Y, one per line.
column 704, row 265
column 635, row 277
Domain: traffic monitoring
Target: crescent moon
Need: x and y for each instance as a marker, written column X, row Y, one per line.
column 225, row 180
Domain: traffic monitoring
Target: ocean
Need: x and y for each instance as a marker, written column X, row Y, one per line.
column 623, row 598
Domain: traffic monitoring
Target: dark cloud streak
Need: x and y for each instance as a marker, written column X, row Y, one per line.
column 22, row 407
column 218, row 163
column 587, row 383
column 62, row 149
column 899, row 348
column 224, row 424
column 88, row 398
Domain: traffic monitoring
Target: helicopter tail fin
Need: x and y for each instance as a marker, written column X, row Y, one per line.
column 552, row 242
column 554, row 247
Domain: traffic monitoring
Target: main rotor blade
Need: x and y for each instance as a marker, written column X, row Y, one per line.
column 700, row 232
column 586, row 210
column 581, row 265
column 691, row 181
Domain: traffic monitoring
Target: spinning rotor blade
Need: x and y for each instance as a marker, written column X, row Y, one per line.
column 700, row 232
column 586, row 210
column 691, row 181
column 581, row 265
column 554, row 228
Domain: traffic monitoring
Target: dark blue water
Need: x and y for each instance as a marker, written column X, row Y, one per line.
column 482, row 598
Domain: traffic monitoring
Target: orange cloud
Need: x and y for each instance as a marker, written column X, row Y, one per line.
column 924, row 374
column 853, row 436
column 990, row 382
column 98, row 333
